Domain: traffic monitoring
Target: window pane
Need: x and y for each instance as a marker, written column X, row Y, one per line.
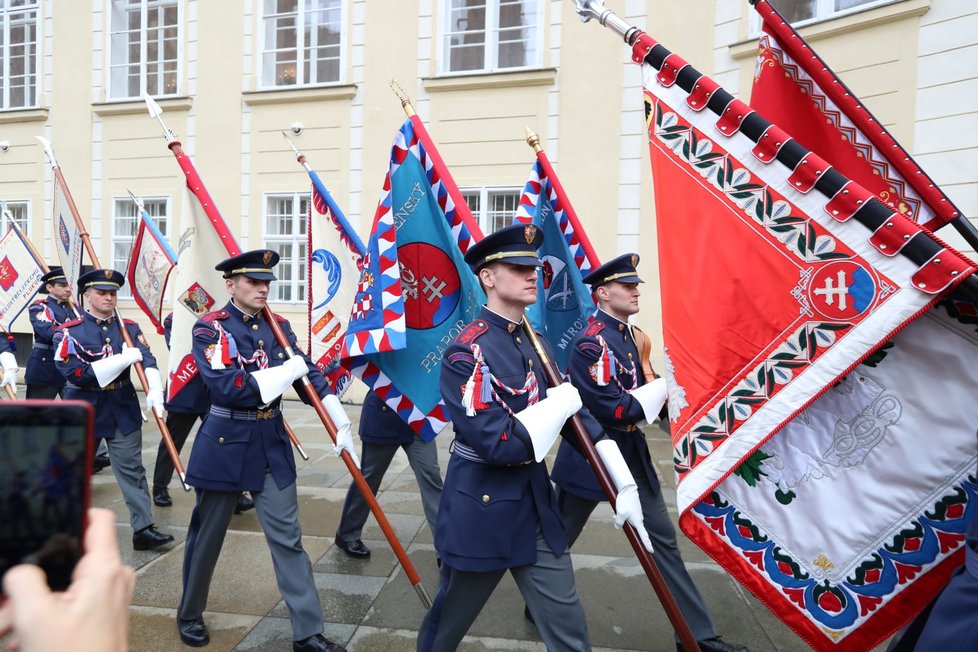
column 143, row 57
column 503, row 206
column 849, row 4
column 467, row 35
column 19, row 211
column 795, row 10
column 125, row 224
column 18, row 53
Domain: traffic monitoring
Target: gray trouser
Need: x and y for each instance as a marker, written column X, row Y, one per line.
column 547, row 587
column 574, row 511
column 126, row 453
column 375, row 459
column 278, row 514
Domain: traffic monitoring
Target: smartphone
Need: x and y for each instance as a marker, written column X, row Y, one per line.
column 45, row 464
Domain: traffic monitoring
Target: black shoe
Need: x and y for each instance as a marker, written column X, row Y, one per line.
column 317, row 643
column 354, row 549
column 244, row 503
column 193, row 632
column 716, row 644
column 100, row 462
column 161, row 497
column 149, row 538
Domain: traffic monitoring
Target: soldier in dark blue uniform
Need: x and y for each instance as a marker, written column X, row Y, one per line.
column 606, row 369
column 91, row 355
column 498, row 511
column 242, row 445
column 382, row 433
column 190, row 403
column 47, row 315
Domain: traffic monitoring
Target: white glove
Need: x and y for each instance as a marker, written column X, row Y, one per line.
column 651, row 396
column 273, row 382
column 108, row 369
column 544, row 420
column 154, row 395
column 628, row 508
column 9, row 364
column 344, row 431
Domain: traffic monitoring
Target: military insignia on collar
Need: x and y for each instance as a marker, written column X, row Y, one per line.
column 510, row 328
column 267, row 257
column 634, row 260
column 107, row 273
column 142, row 339
column 529, row 232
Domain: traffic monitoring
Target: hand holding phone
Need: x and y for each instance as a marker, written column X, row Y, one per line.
column 92, row 615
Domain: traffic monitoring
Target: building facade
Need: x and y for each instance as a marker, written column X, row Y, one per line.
column 231, row 76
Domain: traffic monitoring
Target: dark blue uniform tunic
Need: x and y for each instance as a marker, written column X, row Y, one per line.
column 47, row 315
column 232, row 451
column 82, row 341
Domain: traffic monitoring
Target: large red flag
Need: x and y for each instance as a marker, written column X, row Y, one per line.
column 823, row 434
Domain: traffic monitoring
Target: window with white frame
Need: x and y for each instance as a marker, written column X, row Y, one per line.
column 302, row 42
column 125, row 223
column 493, row 208
column 801, row 11
column 15, row 212
column 144, row 48
column 285, row 233
column 491, row 35
column 18, row 53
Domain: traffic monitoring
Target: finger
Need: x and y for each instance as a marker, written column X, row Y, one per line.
column 100, row 536
column 26, row 586
column 6, row 618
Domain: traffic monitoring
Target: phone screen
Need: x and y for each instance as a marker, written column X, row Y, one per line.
column 45, row 450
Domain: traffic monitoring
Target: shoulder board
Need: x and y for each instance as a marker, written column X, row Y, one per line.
column 73, row 322
column 130, row 322
column 280, row 319
column 594, row 328
column 39, row 302
column 216, row 315
column 472, row 332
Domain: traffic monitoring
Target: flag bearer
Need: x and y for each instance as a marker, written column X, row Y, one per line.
column 606, row 369
column 92, row 357
column 498, row 511
column 242, row 445
column 47, row 315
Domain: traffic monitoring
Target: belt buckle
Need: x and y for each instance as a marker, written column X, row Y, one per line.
column 265, row 415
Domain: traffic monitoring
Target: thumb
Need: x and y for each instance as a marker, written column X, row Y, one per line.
column 26, row 587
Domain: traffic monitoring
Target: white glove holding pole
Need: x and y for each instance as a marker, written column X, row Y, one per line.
column 344, row 430
column 9, row 364
column 154, row 394
column 273, row 382
column 627, row 505
column 651, row 396
column 544, row 420
column 108, row 369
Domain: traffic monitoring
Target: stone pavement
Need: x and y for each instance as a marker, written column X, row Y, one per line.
column 370, row 605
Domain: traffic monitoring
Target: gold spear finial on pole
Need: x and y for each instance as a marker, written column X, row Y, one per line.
column 403, row 96
column 533, row 140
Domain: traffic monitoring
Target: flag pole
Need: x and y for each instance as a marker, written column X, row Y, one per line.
column 197, row 186
column 554, row 379
column 140, row 371
column 920, row 247
column 533, row 140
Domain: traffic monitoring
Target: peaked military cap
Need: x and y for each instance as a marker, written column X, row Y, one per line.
column 101, row 279
column 54, row 275
column 620, row 269
column 516, row 244
column 255, row 264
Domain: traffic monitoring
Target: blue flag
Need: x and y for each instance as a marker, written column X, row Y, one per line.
column 415, row 293
column 564, row 302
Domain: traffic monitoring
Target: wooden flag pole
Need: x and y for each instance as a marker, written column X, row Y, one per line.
column 140, row 371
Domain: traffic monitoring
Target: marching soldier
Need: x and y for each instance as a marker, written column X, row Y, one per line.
column 382, row 432
column 606, row 369
column 498, row 511
column 242, row 445
column 91, row 355
column 191, row 402
column 47, row 315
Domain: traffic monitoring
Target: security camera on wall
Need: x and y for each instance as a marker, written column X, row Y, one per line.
column 297, row 128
